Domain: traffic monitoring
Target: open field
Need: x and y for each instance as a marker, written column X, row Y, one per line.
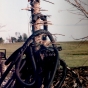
column 74, row 53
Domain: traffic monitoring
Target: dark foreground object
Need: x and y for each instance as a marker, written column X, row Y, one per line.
column 31, row 68
column 77, row 77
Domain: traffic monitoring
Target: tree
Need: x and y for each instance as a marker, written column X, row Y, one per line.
column 1, row 40
column 25, row 37
column 17, row 34
column 79, row 5
column 20, row 39
column 13, row 39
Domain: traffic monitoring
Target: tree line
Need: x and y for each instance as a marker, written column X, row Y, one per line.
column 17, row 38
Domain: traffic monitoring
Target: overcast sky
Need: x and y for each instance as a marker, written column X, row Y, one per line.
column 64, row 22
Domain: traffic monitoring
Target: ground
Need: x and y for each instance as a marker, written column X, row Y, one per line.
column 73, row 53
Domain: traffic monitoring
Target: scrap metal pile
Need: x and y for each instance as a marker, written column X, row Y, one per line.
column 36, row 64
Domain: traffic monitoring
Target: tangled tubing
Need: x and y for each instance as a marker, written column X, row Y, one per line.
column 30, row 70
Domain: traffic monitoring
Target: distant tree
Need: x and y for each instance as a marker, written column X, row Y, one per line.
column 13, row 39
column 17, row 34
column 1, row 40
column 20, row 38
column 24, row 37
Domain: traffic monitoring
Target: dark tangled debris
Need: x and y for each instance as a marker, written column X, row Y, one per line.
column 36, row 63
column 74, row 74
column 77, row 77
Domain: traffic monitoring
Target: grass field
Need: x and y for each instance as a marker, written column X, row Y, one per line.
column 73, row 53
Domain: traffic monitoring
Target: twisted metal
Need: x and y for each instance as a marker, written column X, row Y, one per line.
column 28, row 71
column 34, row 68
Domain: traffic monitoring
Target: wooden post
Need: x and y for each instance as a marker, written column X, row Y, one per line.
column 35, row 10
column 38, row 19
column 0, row 65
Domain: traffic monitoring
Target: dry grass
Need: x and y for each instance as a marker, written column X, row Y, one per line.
column 10, row 48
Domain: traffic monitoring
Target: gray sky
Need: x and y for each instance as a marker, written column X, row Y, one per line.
column 64, row 22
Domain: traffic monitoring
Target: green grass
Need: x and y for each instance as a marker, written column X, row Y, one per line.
column 73, row 53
